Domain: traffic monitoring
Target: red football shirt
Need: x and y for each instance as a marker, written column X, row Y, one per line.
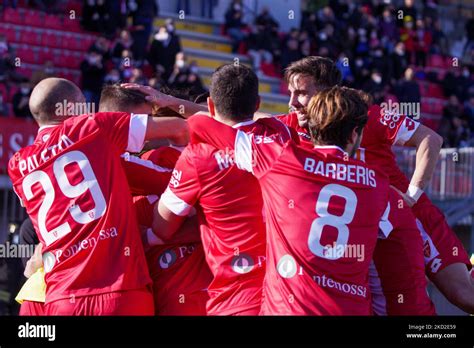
column 383, row 130
column 229, row 207
column 74, row 189
column 322, row 212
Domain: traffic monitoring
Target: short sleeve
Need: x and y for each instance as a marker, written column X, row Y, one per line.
column 127, row 131
column 184, row 188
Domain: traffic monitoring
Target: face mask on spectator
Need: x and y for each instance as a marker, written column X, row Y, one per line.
column 25, row 90
column 237, row 7
column 323, row 36
column 194, row 69
column 170, row 28
column 359, row 63
column 48, row 70
column 466, row 73
column 162, row 36
column 377, row 78
column 180, row 63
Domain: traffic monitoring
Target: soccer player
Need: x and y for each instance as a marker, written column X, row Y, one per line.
column 445, row 258
column 74, row 189
column 322, row 208
column 178, row 269
column 229, row 206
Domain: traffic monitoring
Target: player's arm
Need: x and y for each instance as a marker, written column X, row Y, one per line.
column 172, row 128
column 165, row 222
column 183, row 107
column 428, row 144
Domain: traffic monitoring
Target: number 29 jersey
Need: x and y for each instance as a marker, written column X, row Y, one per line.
column 323, row 212
column 72, row 184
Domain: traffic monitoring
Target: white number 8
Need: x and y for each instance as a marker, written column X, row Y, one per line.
column 71, row 191
column 339, row 222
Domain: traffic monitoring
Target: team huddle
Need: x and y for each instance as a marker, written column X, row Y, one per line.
column 159, row 206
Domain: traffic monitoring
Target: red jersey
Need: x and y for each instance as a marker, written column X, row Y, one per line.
column 74, row 189
column 322, row 213
column 229, row 208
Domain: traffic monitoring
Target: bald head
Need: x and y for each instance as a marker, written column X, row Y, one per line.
column 49, row 97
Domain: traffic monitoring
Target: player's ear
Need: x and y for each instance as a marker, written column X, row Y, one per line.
column 211, row 107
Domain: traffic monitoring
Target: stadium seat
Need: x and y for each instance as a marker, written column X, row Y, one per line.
column 10, row 33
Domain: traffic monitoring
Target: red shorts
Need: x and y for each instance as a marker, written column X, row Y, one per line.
column 397, row 274
column 130, row 302
column 441, row 245
column 172, row 303
column 31, row 308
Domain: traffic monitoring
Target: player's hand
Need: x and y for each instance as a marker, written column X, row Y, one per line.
column 408, row 200
column 152, row 95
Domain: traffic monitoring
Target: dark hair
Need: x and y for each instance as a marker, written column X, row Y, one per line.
column 116, row 98
column 322, row 70
column 334, row 113
column 234, row 91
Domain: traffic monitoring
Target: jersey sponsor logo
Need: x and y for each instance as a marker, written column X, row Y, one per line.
column 167, row 259
column 242, row 263
column 287, row 267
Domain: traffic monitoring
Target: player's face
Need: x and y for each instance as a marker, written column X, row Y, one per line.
column 302, row 89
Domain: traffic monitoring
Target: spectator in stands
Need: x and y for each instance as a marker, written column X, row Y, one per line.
column 234, row 24
column 265, row 20
column 143, row 16
column 291, row 49
column 398, row 62
column 93, row 15
column 21, row 99
column 454, row 126
column 408, row 37
column 408, row 90
column 407, row 10
column 457, row 82
column 93, row 72
column 9, row 3
column 469, row 34
column 138, row 77
column 102, row 47
column 126, row 66
column 117, row 16
column 388, row 30
column 469, row 113
column 164, row 48
column 259, row 46
column 439, row 44
column 112, row 77
column 3, row 107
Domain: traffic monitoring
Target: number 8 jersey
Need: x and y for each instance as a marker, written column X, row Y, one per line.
column 72, row 184
column 323, row 212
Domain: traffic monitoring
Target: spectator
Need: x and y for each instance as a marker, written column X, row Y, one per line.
column 407, row 10
column 408, row 90
column 439, row 44
column 388, row 30
column 138, row 77
column 469, row 113
column 21, row 99
column 93, row 15
column 398, row 62
column 143, row 15
column 454, row 127
column 127, row 65
column 102, row 47
column 116, row 16
column 112, row 77
column 234, row 24
column 259, row 47
column 93, row 73
column 3, row 107
column 408, row 37
column 265, row 20
column 164, row 47
column 207, row 7
column 291, row 50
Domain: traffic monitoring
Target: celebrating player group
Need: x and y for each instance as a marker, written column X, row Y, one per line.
column 160, row 206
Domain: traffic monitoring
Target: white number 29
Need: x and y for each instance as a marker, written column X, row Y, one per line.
column 71, row 191
column 325, row 218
